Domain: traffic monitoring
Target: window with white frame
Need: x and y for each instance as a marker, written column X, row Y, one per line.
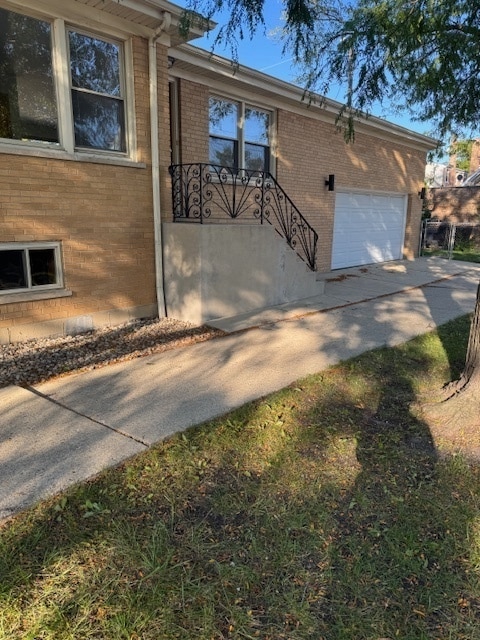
column 36, row 78
column 97, row 93
column 31, row 266
column 239, row 135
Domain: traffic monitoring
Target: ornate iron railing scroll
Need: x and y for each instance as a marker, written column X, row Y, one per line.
column 212, row 193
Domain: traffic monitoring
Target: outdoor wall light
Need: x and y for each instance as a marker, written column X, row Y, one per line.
column 330, row 182
column 421, row 194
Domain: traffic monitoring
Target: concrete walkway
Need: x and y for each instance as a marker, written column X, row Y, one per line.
column 67, row 430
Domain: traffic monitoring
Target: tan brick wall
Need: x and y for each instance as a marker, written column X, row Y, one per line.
column 475, row 157
column 193, row 132
column 457, row 204
column 309, row 150
column 101, row 213
column 142, row 98
column 193, row 122
column 412, row 227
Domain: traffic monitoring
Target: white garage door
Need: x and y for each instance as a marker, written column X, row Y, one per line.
column 367, row 228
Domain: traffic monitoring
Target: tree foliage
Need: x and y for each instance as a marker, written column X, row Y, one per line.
column 462, row 150
column 422, row 55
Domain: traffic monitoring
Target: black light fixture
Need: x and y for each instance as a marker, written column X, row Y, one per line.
column 330, row 182
column 421, row 194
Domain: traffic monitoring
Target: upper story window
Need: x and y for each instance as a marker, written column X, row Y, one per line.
column 60, row 86
column 97, row 92
column 239, row 135
column 28, row 104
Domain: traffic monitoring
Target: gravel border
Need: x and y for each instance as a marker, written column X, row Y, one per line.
column 36, row 361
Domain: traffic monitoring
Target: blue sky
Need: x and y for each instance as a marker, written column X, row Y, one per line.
column 264, row 53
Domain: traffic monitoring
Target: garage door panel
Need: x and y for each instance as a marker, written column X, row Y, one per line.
column 368, row 228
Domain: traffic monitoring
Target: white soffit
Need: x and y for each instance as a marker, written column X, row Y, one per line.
column 136, row 17
column 149, row 13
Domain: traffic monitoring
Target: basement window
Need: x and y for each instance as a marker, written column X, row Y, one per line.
column 30, row 267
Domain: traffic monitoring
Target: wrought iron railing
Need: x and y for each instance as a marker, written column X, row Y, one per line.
column 211, row 193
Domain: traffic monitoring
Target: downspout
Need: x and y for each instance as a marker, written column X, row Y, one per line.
column 157, row 219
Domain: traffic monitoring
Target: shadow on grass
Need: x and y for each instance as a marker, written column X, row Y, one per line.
column 322, row 511
column 454, row 339
column 394, row 574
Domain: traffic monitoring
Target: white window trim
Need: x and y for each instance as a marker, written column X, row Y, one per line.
column 123, row 84
column 31, row 289
column 61, row 63
column 22, row 148
column 65, row 148
column 32, row 296
column 129, row 88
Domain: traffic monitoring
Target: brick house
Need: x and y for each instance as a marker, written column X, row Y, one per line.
column 104, row 111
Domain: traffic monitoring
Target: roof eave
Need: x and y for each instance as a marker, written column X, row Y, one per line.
column 197, row 29
column 228, row 69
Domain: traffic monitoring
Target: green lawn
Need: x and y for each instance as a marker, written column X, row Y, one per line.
column 320, row 512
column 464, row 255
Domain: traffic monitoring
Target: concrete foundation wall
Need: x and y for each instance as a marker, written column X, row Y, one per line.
column 215, row 271
column 74, row 325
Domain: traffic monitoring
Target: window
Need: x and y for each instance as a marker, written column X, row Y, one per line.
column 239, row 135
column 32, row 87
column 30, row 267
column 98, row 109
column 28, row 109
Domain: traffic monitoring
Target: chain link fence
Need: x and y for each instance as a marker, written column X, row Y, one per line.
column 450, row 240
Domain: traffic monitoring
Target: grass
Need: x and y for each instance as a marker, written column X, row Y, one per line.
column 467, row 255
column 464, row 255
column 322, row 511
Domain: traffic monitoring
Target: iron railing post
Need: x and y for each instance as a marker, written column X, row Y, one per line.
column 202, row 166
column 262, row 201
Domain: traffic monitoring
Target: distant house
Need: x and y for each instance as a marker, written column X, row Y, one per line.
column 140, row 175
column 436, row 175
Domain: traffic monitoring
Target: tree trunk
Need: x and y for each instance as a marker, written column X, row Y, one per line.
column 455, row 421
column 472, row 362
